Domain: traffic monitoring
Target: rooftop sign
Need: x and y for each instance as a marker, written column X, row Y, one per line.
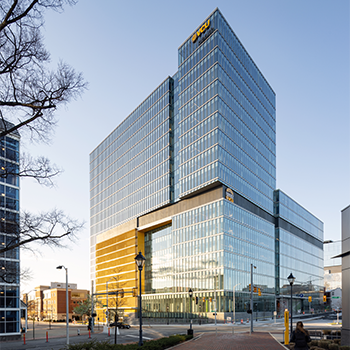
column 200, row 31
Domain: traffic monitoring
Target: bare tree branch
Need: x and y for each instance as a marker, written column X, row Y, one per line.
column 9, row 271
column 15, row 10
column 30, row 92
column 46, row 229
column 39, row 169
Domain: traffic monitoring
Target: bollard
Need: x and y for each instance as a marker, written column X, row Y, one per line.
column 247, row 320
column 78, row 331
column 109, row 332
column 241, row 320
column 24, row 339
column 89, row 333
column 47, row 337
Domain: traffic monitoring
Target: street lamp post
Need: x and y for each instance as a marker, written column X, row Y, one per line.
column 140, row 261
column 190, row 293
column 67, row 306
column 291, row 280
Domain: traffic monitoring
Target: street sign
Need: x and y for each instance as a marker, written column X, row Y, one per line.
column 301, row 295
column 335, row 297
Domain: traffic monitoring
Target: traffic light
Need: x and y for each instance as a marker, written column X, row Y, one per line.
column 210, row 299
column 249, row 311
column 134, row 292
column 196, row 300
column 121, row 293
column 254, row 289
column 250, row 288
column 325, row 298
column 310, row 299
column 203, row 299
column 259, row 292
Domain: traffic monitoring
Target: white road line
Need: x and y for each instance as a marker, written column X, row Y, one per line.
column 136, row 336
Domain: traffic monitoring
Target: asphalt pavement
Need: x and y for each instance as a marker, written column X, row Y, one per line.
column 267, row 335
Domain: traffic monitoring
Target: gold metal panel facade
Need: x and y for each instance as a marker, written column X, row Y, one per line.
column 116, row 270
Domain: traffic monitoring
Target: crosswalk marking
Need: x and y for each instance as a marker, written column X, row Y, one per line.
column 136, row 336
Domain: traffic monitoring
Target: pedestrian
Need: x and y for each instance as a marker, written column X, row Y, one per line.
column 300, row 337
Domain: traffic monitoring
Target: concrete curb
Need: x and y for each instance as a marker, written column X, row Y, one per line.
column 278, row 341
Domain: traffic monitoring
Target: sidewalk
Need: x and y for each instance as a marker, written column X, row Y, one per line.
column 226, row 341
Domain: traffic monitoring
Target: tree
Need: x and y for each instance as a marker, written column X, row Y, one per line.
column 116, row 299
column 45, row 229
column 85, row 307
column 30, row 94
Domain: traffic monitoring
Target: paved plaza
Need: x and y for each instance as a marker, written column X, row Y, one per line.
column 227, row 341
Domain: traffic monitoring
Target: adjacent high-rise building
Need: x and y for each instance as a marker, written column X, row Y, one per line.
column 345, row 255
column 9, row 223
column 189, row 179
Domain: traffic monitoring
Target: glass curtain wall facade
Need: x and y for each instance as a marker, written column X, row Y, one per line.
column 224, row 133
column 130, row 174
column 190, row 176
column 225, row 118
column 9, row 260
column 299, row 246
column 130, row 169
column 209, row 249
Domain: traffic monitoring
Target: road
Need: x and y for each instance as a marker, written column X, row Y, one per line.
column 57, row 333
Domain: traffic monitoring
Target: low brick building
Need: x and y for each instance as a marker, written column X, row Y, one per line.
column 50, row 301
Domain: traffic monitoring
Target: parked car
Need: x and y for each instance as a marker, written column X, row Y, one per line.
column 123, row 325
column 120, row 325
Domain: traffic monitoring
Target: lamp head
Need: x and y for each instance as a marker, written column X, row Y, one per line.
column 190, row 292
column 59, row 267
column 291, row 279
column 140, row 260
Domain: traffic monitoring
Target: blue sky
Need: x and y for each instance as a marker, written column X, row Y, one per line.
column 125, row 49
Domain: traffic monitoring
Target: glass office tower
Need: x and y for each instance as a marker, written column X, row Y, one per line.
column 188, row 179
column 9, row 213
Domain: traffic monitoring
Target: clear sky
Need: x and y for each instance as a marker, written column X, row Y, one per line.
column 125, row 49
